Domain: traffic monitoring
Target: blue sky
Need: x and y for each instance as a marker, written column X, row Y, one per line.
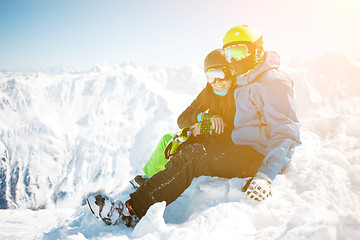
column 37, row 34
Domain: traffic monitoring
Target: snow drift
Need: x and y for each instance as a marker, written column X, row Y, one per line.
column 66, row 134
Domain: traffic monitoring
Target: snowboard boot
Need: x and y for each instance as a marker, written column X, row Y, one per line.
column 139, row 180
column 112, row 212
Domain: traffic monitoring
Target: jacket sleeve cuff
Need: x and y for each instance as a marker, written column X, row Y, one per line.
column 270, row 171
column 199, row 116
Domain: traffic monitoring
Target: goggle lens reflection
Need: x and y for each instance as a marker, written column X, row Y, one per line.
column 237, row 52
column 217, row 74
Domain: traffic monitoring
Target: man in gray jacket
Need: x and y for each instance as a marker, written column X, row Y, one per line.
column 265, row 135
column 265, row 106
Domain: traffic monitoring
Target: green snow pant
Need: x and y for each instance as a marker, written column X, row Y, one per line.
column 157, row 160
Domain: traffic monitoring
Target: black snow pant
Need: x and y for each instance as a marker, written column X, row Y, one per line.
column 193, row 161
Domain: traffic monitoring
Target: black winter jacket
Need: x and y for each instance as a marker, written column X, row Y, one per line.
column 189, row 116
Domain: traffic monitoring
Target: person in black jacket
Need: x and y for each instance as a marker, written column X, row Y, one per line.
column 210, row 116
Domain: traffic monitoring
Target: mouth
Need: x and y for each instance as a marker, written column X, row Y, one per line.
column 219, row 87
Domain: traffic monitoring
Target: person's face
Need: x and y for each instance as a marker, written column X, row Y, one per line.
column 220, row 84
column 219, row 78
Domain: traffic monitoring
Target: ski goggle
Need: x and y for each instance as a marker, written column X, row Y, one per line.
column 238, row 52
column 222, row 74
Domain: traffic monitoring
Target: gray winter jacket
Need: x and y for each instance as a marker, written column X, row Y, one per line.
column 265, row 114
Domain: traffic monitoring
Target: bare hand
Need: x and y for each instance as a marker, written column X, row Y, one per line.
column 195, row 129
column 218, row 125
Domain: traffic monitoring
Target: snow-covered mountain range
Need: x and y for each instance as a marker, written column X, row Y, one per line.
column 66, row 134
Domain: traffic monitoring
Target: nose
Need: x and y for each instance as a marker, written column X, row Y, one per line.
column 218, row 81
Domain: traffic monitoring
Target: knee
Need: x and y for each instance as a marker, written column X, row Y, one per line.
column 193, row 154
column 194, row 149
column 189, row 152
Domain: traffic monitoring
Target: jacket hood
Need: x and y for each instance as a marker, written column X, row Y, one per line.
column 270, row 60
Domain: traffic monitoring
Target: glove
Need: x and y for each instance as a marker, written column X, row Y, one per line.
column 258, row 187
column 206, row 123
column 174, row 143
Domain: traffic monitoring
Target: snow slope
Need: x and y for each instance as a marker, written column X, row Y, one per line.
column 66, row 134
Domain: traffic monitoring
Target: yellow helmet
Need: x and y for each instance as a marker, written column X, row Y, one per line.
column 243, row 34
column 243, row 46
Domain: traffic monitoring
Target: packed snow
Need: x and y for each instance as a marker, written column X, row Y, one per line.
column 67, row 134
